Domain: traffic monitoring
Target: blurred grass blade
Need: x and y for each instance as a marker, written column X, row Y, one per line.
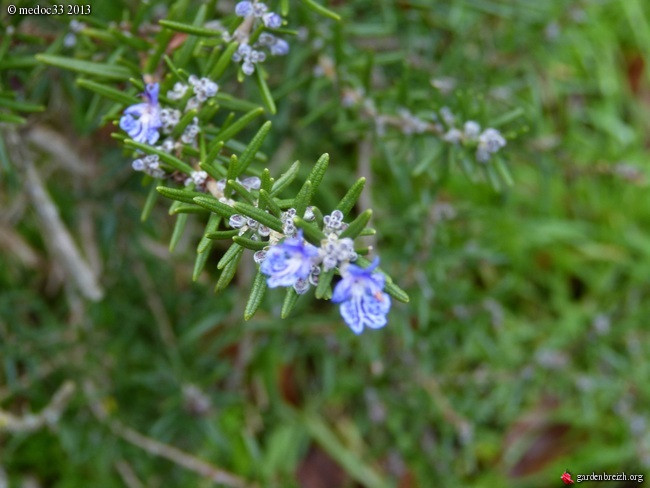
column 189, row 29
column 267, row 98
column 318, row 8
column 345, row 457
column 102, row 70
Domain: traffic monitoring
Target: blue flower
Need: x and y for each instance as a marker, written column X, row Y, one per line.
column 272, row 20
column 289, row 261
column 363, row 301
column 144, row 129
column 244, row 9
column 280, row 47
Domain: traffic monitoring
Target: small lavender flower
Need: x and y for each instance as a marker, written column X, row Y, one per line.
column 266, row 39
column 204, row 88
column 198, row 178
column 289, row 261
column 447, row 116
column 313, row 276
column 453, row 136
column 248, row 56
column 237, row 221
column 76, row 26
column 288, row 227
column 333, row 223
column 150, row 165
column 167, row 145
column 334, row 252
column 280, row 48
column 260, row 255
column 272, row 20
column 471, row 130
column 245, row 224
column 259, row 9
column 309, row 214
column 190, row 132
column 445, row 84
column 192, row 103
column 244, row 9
column 250, row 183
column 363, row 301
column 489, row 142
column 301, row 286
column 248, row 68
column 410, row 123
column 144, row 129
column 178, row 92
column 169, row 117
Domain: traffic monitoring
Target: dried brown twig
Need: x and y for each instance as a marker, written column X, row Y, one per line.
column 156, row 448
column 55, row 232
column 48, row 416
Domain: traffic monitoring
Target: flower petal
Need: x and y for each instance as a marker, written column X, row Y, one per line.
column 138, row 109
column 342, row 291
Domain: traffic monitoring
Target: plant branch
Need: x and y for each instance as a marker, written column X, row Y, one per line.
column 48, row 416
column 156, row 448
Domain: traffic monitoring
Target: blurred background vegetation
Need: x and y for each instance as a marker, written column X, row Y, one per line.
column 522, row 353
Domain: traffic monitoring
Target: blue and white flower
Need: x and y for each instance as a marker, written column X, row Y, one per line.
column 204, row 88
column 199, row 179
column 191, row 131
column 144, row 128
column 272, row 20
column 150, row 165
column 363, row 301
column 333, row 223
column 489, row 142
column 255, row 14
column 289, row 261
column 169, row 117
column 178, row 92
column 334, row 251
